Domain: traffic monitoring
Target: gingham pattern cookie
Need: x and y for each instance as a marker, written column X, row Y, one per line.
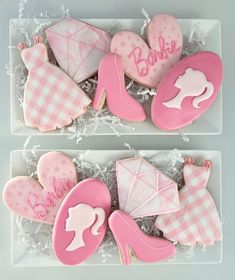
column 197, row 221
column 51, row 98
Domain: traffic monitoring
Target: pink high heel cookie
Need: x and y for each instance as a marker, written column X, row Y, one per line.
column 187, row 90
column 143, row 190
column 197, row 221
column 132, row 241
column 51, row 99
column 78, row 47
column 81, row 222
column 144, row 63
column 39, row 200
column 111, row 85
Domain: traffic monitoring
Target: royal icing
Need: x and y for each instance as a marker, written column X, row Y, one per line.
column 191, row 83
column 81, row 217
column 111, row 85
column 143, row 190
column 39, row 200
column 187, row 90
column 132, row 241
column 81, row 222
column 197, row 221
column 148, row 64
column 51, row 99
column 78, row 47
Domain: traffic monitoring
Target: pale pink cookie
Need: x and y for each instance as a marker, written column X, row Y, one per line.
column 187, row 90
column 81, row 222
column 51, row 99
column 78, row 47
column 197, row 221
column 144, row 63
column 39, row 200
column 143, row 190
column 131, row 241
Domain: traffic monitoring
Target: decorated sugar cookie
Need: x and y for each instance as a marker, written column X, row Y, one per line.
column 187, row 90
column 111, row 86
column 51, row 99
column 39, row 200
column 81, row 222
column 143, row 190
column 78, row 47
column 148, row 63
column 132, row 242
column 197, row 221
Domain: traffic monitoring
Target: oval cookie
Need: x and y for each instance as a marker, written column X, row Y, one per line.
column 187, row 90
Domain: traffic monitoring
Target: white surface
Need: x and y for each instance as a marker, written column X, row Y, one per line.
column 214, row 9
column 21, row 257
column 208, row 123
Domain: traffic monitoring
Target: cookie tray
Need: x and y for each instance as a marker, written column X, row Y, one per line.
column 23, row 257
column 208, row 124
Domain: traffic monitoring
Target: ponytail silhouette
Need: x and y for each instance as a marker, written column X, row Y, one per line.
column 191, row 83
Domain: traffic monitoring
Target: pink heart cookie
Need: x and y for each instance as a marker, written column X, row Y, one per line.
column 39, row 200
column 148, row 64
column 187, row 90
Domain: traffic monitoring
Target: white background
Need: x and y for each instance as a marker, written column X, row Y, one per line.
column 217, row 9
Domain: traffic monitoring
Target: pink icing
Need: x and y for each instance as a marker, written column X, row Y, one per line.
column 143, row 190
column 197, row 221
column 155, row 56
column 191, row 83
column 81, row 217
column 147, row 64
column 187, row 90
column 78, row 47
column 111, row 84
column 41, row 207
column 93, row 200
column 40, row 199
column 51, row 98
column 130, row 238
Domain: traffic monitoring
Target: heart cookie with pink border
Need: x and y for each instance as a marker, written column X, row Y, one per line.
column 39, row 200
column 148, row 63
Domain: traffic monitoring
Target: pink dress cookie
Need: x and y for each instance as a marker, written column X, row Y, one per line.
column 144, row 63
column 197, row 221
column 143, row 190
column 78, row 47
column 39, row 200
column 81, row 222
column 51, row 99
column 131, row 241
column 188, row 89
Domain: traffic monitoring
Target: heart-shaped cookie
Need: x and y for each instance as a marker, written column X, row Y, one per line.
column 144, row 63
column 39, row 200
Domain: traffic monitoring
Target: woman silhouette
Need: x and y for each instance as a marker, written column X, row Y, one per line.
column 191, row 83
column 81, row 217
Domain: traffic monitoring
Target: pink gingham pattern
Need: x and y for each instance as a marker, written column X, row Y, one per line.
column 197, row 221
column 51, row 98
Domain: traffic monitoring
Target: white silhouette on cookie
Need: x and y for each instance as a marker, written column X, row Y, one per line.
column 81, row 217
column 191, row 83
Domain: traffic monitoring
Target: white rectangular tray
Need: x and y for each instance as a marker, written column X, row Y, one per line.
column 208, row 124
column 21, row 257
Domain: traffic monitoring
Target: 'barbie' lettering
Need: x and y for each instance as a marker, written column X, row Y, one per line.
column 143, row 63
column 41, row 206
